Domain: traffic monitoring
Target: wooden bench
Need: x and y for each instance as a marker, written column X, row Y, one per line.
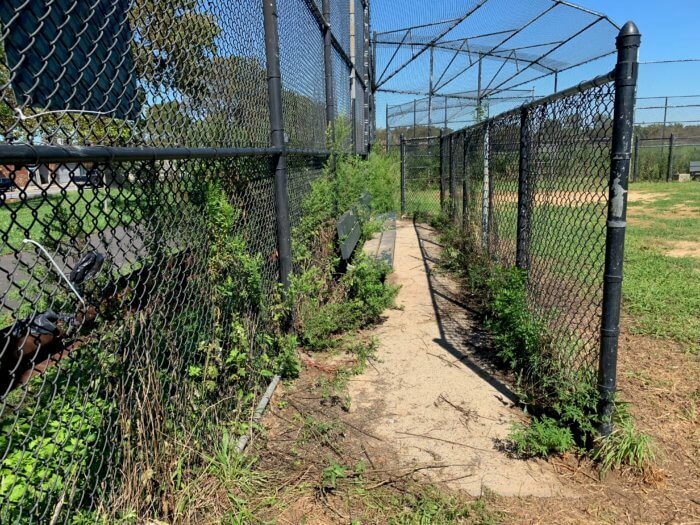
column 695, row 169
column 349, row 226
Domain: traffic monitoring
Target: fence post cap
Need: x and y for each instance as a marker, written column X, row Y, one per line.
column 630, row 29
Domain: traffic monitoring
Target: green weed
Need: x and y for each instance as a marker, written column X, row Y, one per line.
column 429, row 506
column 542, row 437
column 625, row 445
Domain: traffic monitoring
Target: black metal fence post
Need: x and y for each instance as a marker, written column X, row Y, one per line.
column 465, row 181
column 486, row 192
column 366, row 76
column 669, row 169
column 403, row 174
column 453, row 182
column 628, row 42
column 442, row 171
column 635, row 172
column 388, row 129
column 328, row 71
column 279, row 161
column 522, row 241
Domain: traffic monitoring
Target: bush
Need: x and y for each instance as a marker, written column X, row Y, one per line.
column 365, row 295
column 542, row 437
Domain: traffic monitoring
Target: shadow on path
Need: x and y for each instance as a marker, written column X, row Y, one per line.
column 460, row 331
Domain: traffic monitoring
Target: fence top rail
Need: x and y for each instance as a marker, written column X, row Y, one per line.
column 579, row 88
column 54, row 153
column 421, row 139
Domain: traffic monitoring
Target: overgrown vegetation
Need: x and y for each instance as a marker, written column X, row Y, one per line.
column 562, row 399
column 199, row 303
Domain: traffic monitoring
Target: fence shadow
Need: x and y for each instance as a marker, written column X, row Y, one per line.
column 461, row 333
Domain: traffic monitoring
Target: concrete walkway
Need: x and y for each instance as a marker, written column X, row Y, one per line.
column 429, row 396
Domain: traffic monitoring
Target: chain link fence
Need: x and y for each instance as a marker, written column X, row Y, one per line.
column 145, row 218
column 541, row 188
column 667, row 137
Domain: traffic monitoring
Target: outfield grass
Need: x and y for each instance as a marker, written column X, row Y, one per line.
column 662, row 292
column 94, row 210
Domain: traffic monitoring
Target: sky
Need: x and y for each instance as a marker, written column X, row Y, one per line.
column 669, row 31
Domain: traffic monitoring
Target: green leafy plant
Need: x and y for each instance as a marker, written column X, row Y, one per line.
column 542, row 437
column 331, row 474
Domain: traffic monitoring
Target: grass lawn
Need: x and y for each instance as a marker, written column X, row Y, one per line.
column 662, row 258
column 93, row 210
column 662, row 261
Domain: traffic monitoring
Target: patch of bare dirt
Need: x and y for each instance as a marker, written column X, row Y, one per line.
column 683, row 249
column 429, row 396
column 557, row 198
column 637, row 196
column 662, row 385
column 322, row 464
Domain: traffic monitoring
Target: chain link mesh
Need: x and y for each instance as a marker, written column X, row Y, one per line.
column 568, row 143
column 139, row 309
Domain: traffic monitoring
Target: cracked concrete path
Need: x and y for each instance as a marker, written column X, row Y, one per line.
column 428, row 395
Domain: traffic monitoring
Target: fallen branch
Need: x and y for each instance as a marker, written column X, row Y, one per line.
column 447, row 441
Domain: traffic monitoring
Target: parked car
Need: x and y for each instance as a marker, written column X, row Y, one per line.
column 91, row 178
column 6, row 185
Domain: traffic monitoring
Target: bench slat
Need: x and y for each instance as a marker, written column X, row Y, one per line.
column 349, row 231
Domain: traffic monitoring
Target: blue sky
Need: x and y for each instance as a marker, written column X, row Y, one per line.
column 669, row 31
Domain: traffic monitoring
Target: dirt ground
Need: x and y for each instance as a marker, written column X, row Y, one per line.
column 429, row 410
column 428, row 396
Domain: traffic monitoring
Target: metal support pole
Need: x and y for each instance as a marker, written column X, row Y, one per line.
column 556, row 81
column 388, row 129
column 628, row 42
column 366, row 76
column 453, row 181
column 486, row 197
column 479, row 116
column 444, row 125
column 328, row 69
column 279, row 161
column 372, row 98
column 465, row 182
column 442, row 172
column 635, row 173
column 663, row 129
column 414, row 118
column 430, row 94
column 522, row 250
column 669, row 169
column 402, row 149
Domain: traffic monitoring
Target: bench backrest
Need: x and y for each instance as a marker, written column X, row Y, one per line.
column 694, row 166
column 349, row 230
